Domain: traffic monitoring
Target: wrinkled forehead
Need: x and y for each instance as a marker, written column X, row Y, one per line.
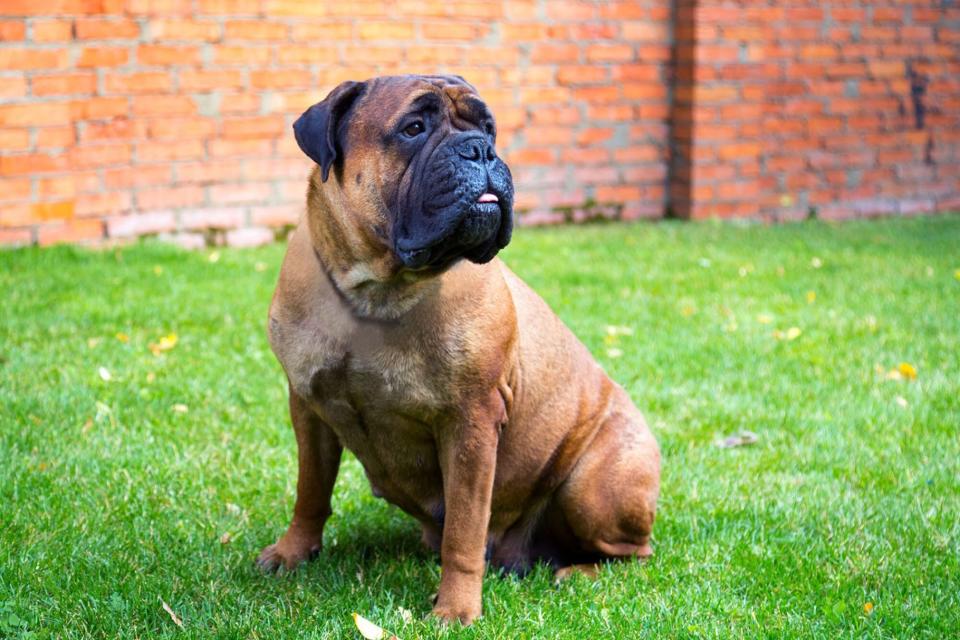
column 393, row 97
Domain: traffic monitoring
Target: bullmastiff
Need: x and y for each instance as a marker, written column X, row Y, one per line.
column 467, row 401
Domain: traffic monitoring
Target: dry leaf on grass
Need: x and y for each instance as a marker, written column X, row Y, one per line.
column 369, row 630
column 166, row 343
column 590, row 571
column 176, row 620
column 742, row 439
column 104, row 374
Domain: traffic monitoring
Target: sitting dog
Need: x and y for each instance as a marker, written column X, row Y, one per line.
column 467, row 401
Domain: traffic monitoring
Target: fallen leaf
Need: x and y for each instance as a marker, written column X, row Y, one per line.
column 868, row 608
column 369, row 630
column 85, row 429
column 811, row 297
column 260, row 266
column 122, row 337
column 688, row 310
column 406, row 615
column 704, row 262
column 180, row 408
column 233, row 509
column 907, row 370
column 226, row 538
column 764, row 318
column 92, row 342
column 104, row 374
column 790, row 334
column 157, row 270
column 619, row 330
column 816, row 263
column 590, row 571
column 151, row 376
column 956, row 274
column 166, row 343
column 176, row 620
column 742, row 439
column 614, row 353
column 901, row 401
column 214, row 256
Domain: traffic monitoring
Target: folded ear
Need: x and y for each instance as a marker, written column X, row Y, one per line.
column 317, row 129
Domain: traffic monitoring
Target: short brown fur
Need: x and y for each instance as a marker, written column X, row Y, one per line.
column 467, row 401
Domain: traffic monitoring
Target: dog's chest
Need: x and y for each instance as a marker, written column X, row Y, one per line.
column 379, row 392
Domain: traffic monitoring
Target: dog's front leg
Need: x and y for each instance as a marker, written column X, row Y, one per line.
column 318, row 455
column 468, row 460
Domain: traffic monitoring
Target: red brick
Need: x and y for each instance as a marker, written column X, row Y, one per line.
column 194, row 81
column 104, row 29
column 248, row 192
column 167, row 55
column 14, row 140
column 21, row 58
column 25, row 115
column 163, row 105
column 256, row 30
column 98, row 57
column 214, row 218
column 205, row 31
column 15, row 237
column 242, row 55
column 139, row 224
column 46, row 211
column 138, row 83
column 159, row 151
column 369, row 30
column 12, row 189
column 13, row 87
column 103, row 204
column 73, row 231
column 169, row 197
column 63, row 84
column 256, row 127
column 12, row 30
column 55, row 138
column 137, row 176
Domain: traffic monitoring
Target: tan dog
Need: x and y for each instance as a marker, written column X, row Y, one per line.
column 467, row 401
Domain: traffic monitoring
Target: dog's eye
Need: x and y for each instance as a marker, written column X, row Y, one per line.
column 488, row 127
column 413, row 129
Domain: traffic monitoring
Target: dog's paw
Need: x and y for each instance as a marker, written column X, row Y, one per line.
column 287, row 554
column 464, row 613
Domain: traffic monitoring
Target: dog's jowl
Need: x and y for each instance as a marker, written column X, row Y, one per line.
column 404, row 339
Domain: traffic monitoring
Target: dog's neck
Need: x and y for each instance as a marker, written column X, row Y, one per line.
column 360, row 265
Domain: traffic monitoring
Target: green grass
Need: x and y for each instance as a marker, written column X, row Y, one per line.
column 114, row 497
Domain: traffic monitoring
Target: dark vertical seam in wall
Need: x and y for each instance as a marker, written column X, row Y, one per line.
column 680, row 119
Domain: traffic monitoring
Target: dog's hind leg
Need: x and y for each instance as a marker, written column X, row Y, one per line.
column 609, row 500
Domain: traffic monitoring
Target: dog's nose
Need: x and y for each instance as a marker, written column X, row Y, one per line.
column 476, row 150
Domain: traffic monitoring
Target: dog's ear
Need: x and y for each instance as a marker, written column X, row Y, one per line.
column 317, row 129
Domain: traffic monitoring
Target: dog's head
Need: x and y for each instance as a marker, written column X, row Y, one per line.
column 413, row 158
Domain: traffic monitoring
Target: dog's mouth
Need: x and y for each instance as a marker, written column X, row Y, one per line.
column 480, row 225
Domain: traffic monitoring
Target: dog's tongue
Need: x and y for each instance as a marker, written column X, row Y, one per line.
column 488, row 197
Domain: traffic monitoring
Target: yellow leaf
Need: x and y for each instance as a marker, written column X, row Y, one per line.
column 104, row 374
column 151, row 376
column 226, row 538
column 614, row 353
column 907, row 370
column 811, row 297
column 157, row 270
column 260, row 266
column 367, row 629
column 868, row 608
column 764, row 318
column 180, row 408
column 793, row 333
column 688, row 310
column 214, row 256
column 956, row 274
column 122, row 337
column 816, row 263
column 176, row 620
column 166, row 343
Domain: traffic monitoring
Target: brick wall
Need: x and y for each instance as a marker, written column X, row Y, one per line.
column 120, row 118
column 838, row 109
column 125, row 117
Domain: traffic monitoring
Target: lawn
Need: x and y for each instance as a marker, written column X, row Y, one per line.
column 146, row 455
